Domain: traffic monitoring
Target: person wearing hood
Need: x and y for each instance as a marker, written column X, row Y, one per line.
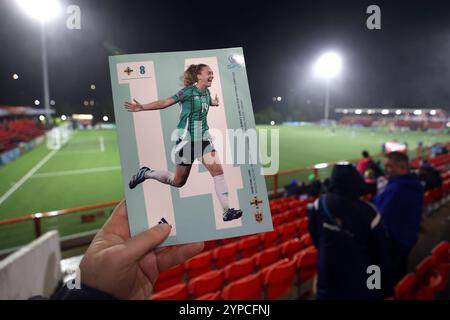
column 400, row 206
column 349, row 238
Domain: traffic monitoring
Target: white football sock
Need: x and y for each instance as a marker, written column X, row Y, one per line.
column 165, row 177
column 220, row 185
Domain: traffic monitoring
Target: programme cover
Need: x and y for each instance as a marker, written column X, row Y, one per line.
column 187, row 164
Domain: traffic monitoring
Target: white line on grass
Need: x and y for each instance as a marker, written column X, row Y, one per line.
column 27, row 176
column 102, row 144
column 74, row 172
column 64, row 153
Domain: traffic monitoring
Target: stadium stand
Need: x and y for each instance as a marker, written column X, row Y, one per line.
column 282, row 263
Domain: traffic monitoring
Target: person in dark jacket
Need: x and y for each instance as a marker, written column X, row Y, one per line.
column 400, row 206
column 348, row 236
column 430, row 177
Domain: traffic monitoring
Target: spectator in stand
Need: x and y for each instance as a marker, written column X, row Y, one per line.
column 293, row 188
column 430, row 177
column 314, row 189
column 362, row 164
column 349, row 237
column 400, row 206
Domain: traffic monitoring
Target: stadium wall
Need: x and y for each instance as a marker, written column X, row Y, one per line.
column 23, row 147
column 32, row 270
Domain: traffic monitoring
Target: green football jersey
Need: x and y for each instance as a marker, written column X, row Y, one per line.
column 194, row 103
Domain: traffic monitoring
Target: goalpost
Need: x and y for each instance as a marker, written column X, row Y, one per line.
column 58, row 136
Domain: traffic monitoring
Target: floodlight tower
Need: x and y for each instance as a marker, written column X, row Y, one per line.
column 327, row 67
column 43, row 11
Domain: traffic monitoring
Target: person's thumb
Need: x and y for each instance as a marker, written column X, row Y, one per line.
column 146, row 241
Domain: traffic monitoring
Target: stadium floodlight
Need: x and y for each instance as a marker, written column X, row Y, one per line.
column 279, row 99
column 41, row 117
column 385, row 112
column 93, row 86
column 63, row 117
column 272, row 123
column 105, row 118
column 370, row 111
column 358, row 111
column 398, row 112
column 417, row 112
column 15, row 76
column 37, row 102
column 42, row 10
column 433, row 112
column 327, row 67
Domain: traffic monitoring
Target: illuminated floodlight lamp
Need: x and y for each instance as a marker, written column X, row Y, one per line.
column 42, row 10
column 328, row 65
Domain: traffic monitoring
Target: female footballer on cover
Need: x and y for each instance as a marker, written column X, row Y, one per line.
column 194, row 140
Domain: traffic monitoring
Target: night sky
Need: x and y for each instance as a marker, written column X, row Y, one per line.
column 405, row 64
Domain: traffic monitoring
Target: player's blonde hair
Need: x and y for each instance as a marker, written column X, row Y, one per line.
column 190, row 75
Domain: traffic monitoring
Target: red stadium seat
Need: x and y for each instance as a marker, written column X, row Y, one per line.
column 211, row 296
column 269, row 239
column 267, row 257
column 295, row 204
column 209, row 245
column 407, row 288
column 302, row 226
column 199, row 264
column 225, row 255
column 169, row 278
column 442, row 252
column 291, row 247
column 306, row 240
column 278, row 278
column 302, row 212
column 291, row 215
column 206, row 283
column 239, row 269
column 278, row 220
column 229, row 240
column 288, row 231
column 177, row 292
column 306, row 263
column 248, row 288
column 431, row 274
column 428, row 198
column 248, row 246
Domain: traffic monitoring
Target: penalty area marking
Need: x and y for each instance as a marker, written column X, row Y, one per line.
column 102, row 144
column 74, row 172
column 27, row 176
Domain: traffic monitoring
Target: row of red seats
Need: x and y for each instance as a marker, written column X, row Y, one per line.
column 264, row 276
column 247, row 247
column 429, row 278
column 15, row 131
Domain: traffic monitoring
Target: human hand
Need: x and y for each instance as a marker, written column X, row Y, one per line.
column 215, row 102
column 125, row 267
column 134, row 107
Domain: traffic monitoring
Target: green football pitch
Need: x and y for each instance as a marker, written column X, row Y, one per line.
column 86, row 171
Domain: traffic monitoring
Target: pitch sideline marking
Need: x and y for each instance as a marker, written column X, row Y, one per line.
column 74, row 172
column 27, row 176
